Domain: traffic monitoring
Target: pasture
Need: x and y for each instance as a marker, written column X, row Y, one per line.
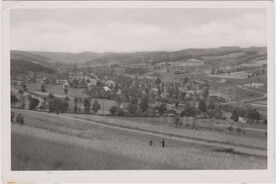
column 54, row 142
column 233, row 75
column 44, row 154
column 57, row 90
column 204, row 124
column 257, row 140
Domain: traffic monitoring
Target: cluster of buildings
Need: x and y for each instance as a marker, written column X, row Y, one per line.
column 254, row 85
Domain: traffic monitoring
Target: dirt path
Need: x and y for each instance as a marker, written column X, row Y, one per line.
column 264, row 95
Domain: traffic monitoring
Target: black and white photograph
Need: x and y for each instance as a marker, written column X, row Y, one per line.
column 116, row 88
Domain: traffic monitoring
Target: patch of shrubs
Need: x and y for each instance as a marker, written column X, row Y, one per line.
column 57, row 105
column 33, row 103
column 114, row 110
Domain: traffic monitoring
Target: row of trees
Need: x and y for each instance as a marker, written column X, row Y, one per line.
column 252, row 115
column 87, row 105
column 57, row 105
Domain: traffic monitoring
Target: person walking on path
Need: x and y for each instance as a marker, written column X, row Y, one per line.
column 163, row 143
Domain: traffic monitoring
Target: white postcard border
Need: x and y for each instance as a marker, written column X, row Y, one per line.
column 141, row 175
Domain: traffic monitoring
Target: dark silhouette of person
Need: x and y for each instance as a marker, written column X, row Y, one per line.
column 150, row 142
column 163, row 143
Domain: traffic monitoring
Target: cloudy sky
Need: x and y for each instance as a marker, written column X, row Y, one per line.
column 127, row 30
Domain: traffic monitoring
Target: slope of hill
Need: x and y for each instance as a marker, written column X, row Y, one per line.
column 23, row 67
column 108, row 58
column 183, row 55
column 69, row 58
column 27, row 56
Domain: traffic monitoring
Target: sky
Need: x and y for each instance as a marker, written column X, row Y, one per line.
column 131, row 30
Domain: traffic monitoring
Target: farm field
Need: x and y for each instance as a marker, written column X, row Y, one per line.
column 234, row 75
column 261, row 102
column 33, row 153
column 238, row 93
column 130, row 150
column 57, row 90
column 89, row 92
column 231, row 82
column 202, row 136
column 204, row 124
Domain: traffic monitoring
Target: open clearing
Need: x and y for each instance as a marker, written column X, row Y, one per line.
column 57, row 90
column 126, row 149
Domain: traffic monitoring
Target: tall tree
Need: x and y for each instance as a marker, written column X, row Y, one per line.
column 13, row 99
column 211, row 104
column 202, row 106
column 162, row 108
column 43, row 87
column 144, row 104
column 252, row 115
column 96, row 106
column 235, row 115
column 87, row 105
column 205, row 93
column 158, row 81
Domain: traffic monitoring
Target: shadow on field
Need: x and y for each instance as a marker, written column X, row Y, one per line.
column 29, row 153
column 232, row 151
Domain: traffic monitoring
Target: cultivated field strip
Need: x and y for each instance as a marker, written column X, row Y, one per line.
column 206, row 136
column 252, row 150
column 241, row 149
column 170, row 158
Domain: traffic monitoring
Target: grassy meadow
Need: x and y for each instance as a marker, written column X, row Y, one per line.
column 40, row 149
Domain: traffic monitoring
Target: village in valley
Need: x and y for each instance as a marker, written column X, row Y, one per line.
column 212, row 97
column 138, row 88
column 234, row 89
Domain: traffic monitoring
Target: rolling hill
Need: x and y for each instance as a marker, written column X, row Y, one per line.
column 23, row 67
column 182, row 55
column 27, row 56
column 92, row 58
column 68, row 58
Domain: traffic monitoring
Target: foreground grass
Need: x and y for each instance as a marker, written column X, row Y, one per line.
column 257, row 142
column 30, row 153
column 65, row 148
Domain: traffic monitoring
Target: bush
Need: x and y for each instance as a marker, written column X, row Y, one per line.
column 177, row 121
column 211, row 104
column 144, row 104
column 113, row 110
column 87, row 105
column 252, row 115
column 132, row 108
column 214, row 114
column 116, row 111
column 120, row 112
column 75, row 109
column 189, row 111
column 50, row 95
column 96, row 106
column 202, row 106
column 43, row 88
column 162, row 108
column 33, row 103
column 235, row 115
column 13, row 99
column 58, row 106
